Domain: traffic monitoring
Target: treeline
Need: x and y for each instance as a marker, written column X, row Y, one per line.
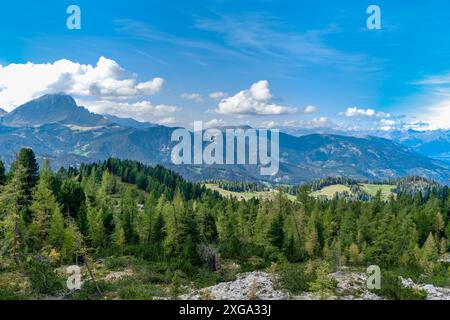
column 242, row 186
column 416, row 185
column 125, row 208
column 319, row 184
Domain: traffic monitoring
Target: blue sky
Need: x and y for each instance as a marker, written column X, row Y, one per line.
column 307, row 63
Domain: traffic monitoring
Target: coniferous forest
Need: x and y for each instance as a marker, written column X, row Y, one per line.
column 167, row 234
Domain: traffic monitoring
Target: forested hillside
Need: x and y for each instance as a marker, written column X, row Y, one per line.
column 170, row 232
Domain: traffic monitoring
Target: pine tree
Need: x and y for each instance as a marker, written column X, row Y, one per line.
column 72, row 243
column 43, row 208
column 129, row 212
column 73, row 199
column 12, row 225
column 311, row 240
column 276, row 232
column 429, row 255
column 158, row 235
column 96, row 229
column 323, row 285
column 27, row 160
column 2, row 174
column 56, row 232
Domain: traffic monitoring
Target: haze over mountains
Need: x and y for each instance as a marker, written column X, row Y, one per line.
column 57, row 129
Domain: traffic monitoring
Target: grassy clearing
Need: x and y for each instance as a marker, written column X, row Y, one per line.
column 246, row 195
column 331, row 191
column 372, row 189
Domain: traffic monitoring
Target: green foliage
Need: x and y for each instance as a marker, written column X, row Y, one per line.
column 392, row 289
column 296, row 278
column 2, row 173
column 323, row 285
column 175, row 287
column 131, row 211
column 43, row 278
column 27, row 160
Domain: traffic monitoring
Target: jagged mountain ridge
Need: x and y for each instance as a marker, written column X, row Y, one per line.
column 72, row 135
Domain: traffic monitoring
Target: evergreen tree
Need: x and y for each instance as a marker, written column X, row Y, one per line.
column 2, row 173
column 323, row 285
column 56, row 232
column 12, row 225
column 43, row 208
column 276, row 233
column 27, row 160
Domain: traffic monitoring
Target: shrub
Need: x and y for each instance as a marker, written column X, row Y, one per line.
column 295, row 277
column 43, row 278
column 391, row 288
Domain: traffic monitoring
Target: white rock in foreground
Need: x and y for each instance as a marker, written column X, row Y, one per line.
column 433, row 293
column 350, row 286
column 247, row 286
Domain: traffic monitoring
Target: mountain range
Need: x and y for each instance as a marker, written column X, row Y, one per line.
column 68, row 135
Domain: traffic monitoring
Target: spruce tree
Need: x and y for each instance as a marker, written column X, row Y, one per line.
column 12, row 225
column 2, row 173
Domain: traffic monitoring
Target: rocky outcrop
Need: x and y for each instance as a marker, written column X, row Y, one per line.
column 265, row 286
column 350, row 286
column 433, row 293
column 247, row 286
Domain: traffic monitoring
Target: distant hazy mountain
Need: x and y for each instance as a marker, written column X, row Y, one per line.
column 434, row 144
column 129, row 122
column 2, row 112
column 431, row 143
column 51, row 109
column 69, row 135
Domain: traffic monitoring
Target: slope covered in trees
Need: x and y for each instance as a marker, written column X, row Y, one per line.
column 125, row 209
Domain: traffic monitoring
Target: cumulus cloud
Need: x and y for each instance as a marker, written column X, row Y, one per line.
column 360, row 113
column 355, row 112
column 105, row 80
column 254, row 101
column 142, row 111
column 192, row 96
column 219, row 95
column 310, row 109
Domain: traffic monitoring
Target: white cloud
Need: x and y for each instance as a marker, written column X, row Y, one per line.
column 438, row 116
column 166, row 121
column 105, row 80
column 269, row 124
column 192, row 96
column 219, row 95
column 361, row 113
column 254, row 101
column 142, row 111
column 261, row 91
column 356, row 112
column 435, row 80
column 310, row 109
column 387, row 122
column 214, row 123
column 307, row 124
